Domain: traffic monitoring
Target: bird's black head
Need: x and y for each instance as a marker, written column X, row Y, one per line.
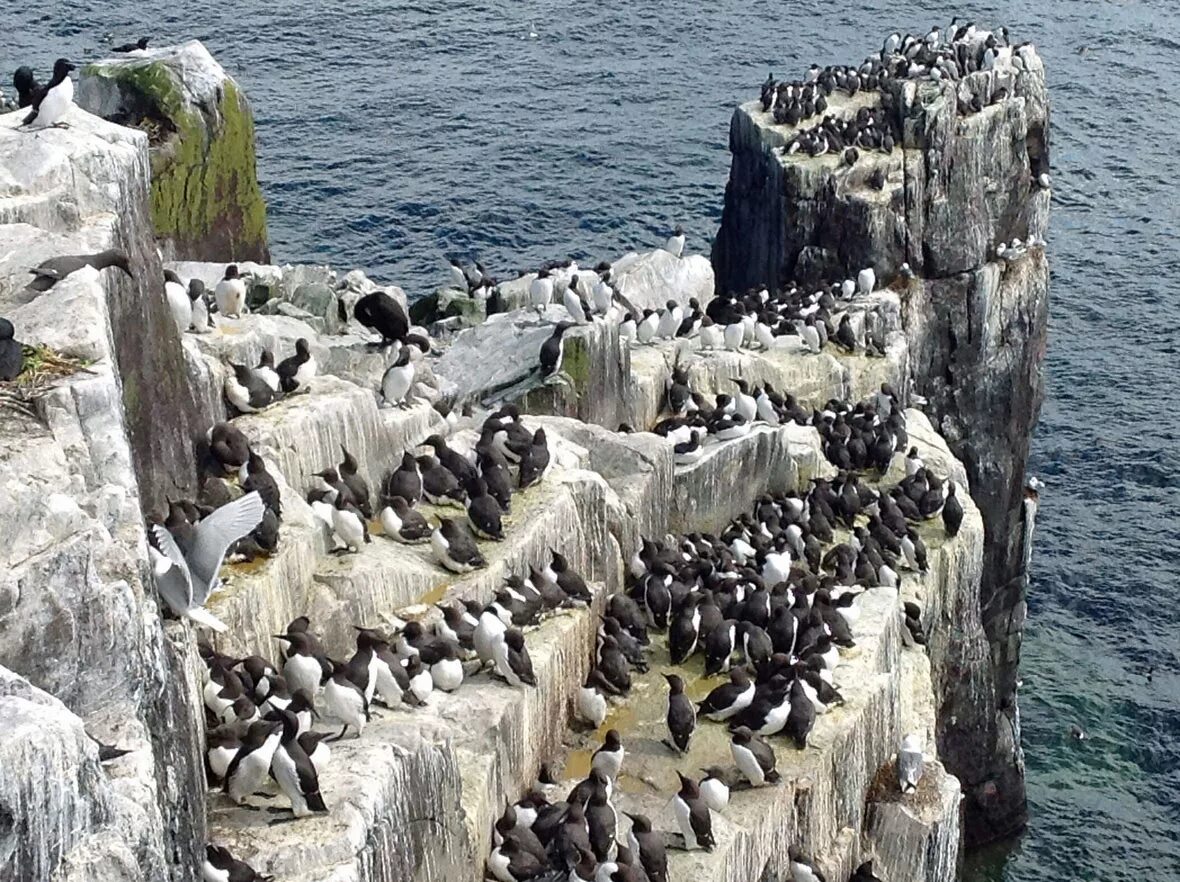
column 6, row 329
column 62, row 68
column 142, row 42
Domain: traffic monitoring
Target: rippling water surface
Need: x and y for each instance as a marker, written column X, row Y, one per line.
column 392, row 134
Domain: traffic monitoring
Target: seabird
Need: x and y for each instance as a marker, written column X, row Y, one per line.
column 535, row 461
column 591, row 702
column 349, row 525
column 293, row 770
column 909, row 763
column 952, row 511
column 404, row 481
column 246, row 389
column 296, row 370
column 669, row 320
column 553, row 349
column 754, row 757
column 682, row 716
column 692, row 815
column 51, row 104
column 398, row 378
column 454, row 547
column 608, row 759
column 221, row 866
column 648, row 847
column 715, row 788
column 230, row 293
column 675, row 244
column 343, row 699
column 381, row 313
column 350, row 475
column 801, row 868
column 730, row 698
column 483, row 512
column 11, row 355
column 141, row 43
column 179, row 303
column 404, row 524
column 645, row 330
column 512, row 661
column 866, row 281
column 49, row 272
column 252, row 761
column 26, row 85
column 201, row 321
column 541, row 291
column 185, row 580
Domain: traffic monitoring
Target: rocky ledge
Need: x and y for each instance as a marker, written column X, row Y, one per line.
column 417, row 794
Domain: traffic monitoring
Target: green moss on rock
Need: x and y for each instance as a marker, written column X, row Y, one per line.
column 205, row 192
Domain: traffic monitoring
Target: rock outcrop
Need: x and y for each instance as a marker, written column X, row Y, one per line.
column 78, row 617
column 84, row 649
column 205, row 199
column 954, row 188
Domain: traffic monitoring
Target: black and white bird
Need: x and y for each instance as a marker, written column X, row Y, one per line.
column 230, row 293
column 753, row 757
column 398, row 379
column 648, row 848
column 294, row 771
column 49, row 272
column 343, row 699
column 51, row 104
column 402, row 523
column 553, row 350
column 608, row 759
column 454, row 547
column 909, row 763
column 730, row 698
column 247, row 390
column 692, row 815
column 715, row 788
column 297, row 370
column 221, row 866
column 186, row 579
column 512, row 660
column 251, row 764
column 675, row 243
column 681, row 716
column 140, row 44
column 801, row 869
column 541, row 291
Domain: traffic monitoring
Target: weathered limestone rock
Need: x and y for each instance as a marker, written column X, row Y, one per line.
column 206, row 203
column 78, row 615
column 976, row 327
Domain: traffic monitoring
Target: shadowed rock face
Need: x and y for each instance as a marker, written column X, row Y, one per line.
column 954, row 188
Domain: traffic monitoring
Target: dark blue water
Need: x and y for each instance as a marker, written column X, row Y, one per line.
column 393, row 134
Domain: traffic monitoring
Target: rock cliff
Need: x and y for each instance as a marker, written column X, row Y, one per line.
column 205, row 200
column 415, row 797
column 954, row 188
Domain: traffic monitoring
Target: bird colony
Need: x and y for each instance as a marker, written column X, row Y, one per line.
column 745, row 628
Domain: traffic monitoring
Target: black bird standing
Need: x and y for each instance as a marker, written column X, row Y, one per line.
column 350, row 475
column 26, row 85
column 952, row 511
column 682, row 716
column 553, row 349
